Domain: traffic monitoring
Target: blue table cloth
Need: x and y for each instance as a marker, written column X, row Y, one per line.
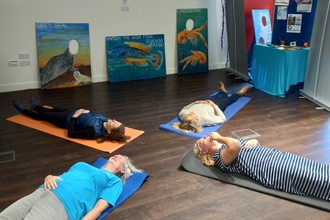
column 274, row 71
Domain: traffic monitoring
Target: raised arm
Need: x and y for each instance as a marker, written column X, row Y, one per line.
column 232, row 150
column 99, row 207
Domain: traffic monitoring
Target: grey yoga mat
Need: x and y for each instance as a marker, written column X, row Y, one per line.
column 191, row 164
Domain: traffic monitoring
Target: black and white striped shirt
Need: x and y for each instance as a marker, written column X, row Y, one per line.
column 280, row 170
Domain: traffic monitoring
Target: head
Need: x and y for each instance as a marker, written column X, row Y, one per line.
column 121, row 166
column 114, row 131
column 203, row 149
column 129, row 169
column 189, row 123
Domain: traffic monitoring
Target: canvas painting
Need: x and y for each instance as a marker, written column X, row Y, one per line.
column 135, row 57
column 192, row 40
column 262, row 26
column 63, row 51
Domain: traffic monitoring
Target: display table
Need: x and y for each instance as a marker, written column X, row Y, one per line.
column 274, row 71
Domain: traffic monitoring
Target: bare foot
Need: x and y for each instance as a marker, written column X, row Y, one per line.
column 221, row 86
column 243, row 90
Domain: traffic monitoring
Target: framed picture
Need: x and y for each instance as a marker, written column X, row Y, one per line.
column 63, row 51
column 135, row 57
column 192, row 40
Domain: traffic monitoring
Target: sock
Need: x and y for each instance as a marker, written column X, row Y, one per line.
column 33, row 103
column 18, row 105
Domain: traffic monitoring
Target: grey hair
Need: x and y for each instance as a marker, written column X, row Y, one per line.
column 130, row 169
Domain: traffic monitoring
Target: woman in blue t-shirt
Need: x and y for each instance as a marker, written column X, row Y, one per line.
column 272, row 168
column 83, row 192
column 80, row 123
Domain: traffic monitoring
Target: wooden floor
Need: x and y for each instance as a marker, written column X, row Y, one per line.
column 289, row 124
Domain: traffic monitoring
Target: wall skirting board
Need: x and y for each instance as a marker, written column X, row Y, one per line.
column 96, row 79
column 19, row 87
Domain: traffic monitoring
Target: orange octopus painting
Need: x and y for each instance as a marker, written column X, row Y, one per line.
column 192, row 40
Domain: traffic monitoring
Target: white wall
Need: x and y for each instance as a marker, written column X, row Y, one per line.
column 105, row 18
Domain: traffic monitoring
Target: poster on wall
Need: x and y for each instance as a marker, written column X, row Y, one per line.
column 135, row 57
column 294, row 23
column 282, row 2
column 304, row 6
column 282, row 12
column 63, row 53
column 262, row 26
column 192, row 40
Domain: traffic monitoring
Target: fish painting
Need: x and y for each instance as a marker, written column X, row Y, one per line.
column 138, row 53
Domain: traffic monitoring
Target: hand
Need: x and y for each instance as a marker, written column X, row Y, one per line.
column 50, row 182
column 214, row 135
column 200, row 102
column 211, row 103
column 251, row 143
column 79, row 112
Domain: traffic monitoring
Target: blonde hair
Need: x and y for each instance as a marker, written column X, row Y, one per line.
column 188, row 126
column 206, row 159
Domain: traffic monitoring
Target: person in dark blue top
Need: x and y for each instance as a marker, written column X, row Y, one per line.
column 275, row 169
column 80, row 123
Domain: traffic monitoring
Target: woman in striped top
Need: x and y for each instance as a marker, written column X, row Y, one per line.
column 272, row 168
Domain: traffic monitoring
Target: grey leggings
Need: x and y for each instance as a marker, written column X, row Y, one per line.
column 40, row 205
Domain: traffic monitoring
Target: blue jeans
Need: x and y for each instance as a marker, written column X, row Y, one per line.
column 222, row 100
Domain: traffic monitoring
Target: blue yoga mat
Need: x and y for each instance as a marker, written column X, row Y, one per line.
column 229, row 112
column 131, row 185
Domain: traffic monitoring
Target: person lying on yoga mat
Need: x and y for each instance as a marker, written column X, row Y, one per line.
column 272, row 168
column 207, row 112
column 83, row 192
column 80, row 123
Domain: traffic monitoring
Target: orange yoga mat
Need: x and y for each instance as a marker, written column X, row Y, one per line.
column 62, row 133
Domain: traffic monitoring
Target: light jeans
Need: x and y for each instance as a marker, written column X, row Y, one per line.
column 40, row 205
